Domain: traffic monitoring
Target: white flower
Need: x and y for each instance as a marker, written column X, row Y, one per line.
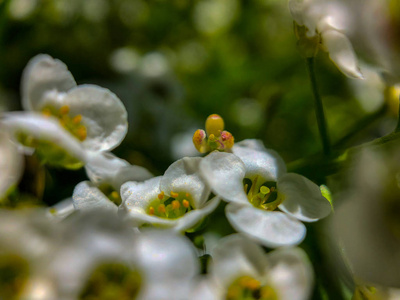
column 367, row 222
column 104, row 256
column 81, row 119
column 11, row 162
column 107, row 173
column 176, row 200
column 254, row 181
column 240, row 267
column 328, row 20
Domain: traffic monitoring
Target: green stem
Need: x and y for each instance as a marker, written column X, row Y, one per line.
column 319, row 109
column 398, row 121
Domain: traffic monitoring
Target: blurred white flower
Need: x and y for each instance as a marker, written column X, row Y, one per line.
column 107, row 173
column 79, row 119
column 255, row 183
column 367, row 223
column 176, row 200
column 11, row 162
column 104, row 258
column 325, row 22
column 241, row 270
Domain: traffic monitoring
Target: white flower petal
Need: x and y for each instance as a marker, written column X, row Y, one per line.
column 87, row 196
column 252, row 144
column 270, row 228
column 291, row 273
column 237, row 256
column 103, row 114
column 42, row 75
column 61, row 210
column 183, row 176
column 169, row 264
column 105, row 167
column 191, row 218
column 266, row 163
column 11, row 162
column 44, row 128
column 341, row 53
column 224, row 172
column 205, row 288
column 302, row 198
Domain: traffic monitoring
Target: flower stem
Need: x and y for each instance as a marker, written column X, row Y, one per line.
column 319, row 109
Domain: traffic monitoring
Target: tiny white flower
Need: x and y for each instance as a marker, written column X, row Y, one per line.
column 241, row 270
column 328, row 20
column 107, row 173
column 255, row 183
column 11, row 162
column 82, row 119
column 177, row 200
column 104, row 256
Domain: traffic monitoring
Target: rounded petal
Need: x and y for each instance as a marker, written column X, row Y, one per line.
column 61, row 210
column 236, row 256
column 216, row 167
column 169, row 263
column 42, row 75
column 341, row 53
column 103, row 114
column 302, row 198
column 270, row 228
column 183, row 176
column 44, row 128
column 252, row 144
column 266, row 163
column 105, row 167
column 205, row 288
column 11, row 162
column 291, row 273
column 87, row 196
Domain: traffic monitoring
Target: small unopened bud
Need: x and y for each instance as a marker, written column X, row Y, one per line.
column 214, row 125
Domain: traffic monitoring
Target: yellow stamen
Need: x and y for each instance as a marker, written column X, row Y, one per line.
column 264, row 190
column 81, row 133
column 114, row 195
column 185, row 203
column 77, row 119
column 161, row 195
column 64, row 109
column 187, row 194
column 175, row 204
column 151, row 210
column 161, row 209
column 211, row 137
column 174, row 195
column 46, row 112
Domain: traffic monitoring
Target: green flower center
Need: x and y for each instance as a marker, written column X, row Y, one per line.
column 171, row 207
column 110, row 281
column 111, row 193
column 49, row 152
column 248, row 288
column 261, row 193
column 14, row 274
column 72, row 124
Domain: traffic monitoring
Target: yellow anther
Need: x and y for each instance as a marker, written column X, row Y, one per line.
column 64, row 109
column 77, row 119
column 199, row 140
column 161, row 208
column 185, row 203
column 187, row 194
column 253, row 284
column 265, row 190
column 174, row 195
column 161, row 195
column 175, row 204
column 114, row 195
column 227, row 139
column 214, row 125
column 46, row 112
column 151, row 210
column 81, row 133
column 273, row 189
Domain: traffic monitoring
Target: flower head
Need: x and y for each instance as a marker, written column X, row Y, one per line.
column 322, row 23
column 241, row 270
column 177, row 200
column 254, row 181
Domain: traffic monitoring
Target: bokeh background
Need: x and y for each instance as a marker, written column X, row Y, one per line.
column 173, row 63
